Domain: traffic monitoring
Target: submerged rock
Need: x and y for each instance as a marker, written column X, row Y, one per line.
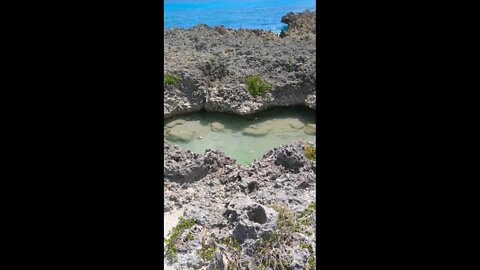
column 176, row 122
column 310, row 129
column 296, row 124
column 215, row 126
column 257, row 130
column 180, row 133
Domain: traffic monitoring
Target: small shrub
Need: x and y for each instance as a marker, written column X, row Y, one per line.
column 273, row 248
column 231, row 242
column 304, row 245
column 310, row 152
column 231, row 248
column 256, row 85
column 206, row 252
column 312, row 263
column 169, row 79
column 176, row 234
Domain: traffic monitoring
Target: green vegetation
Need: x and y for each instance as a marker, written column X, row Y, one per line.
column 256, row 85
column 312, row 263
column 177, row 233
column 231, row 242
column 207, row 251
column 273, row 248
column 310, row 152
column 169, row 79
column 305, row 245
column 231, row 248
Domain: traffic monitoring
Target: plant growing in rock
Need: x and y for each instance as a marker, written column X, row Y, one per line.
column 178, row 233
column 310, row 152
column 228, row 247
column 170, row 80
column 312, row 264
column 275, row 249
column 232, row 250
column 256, row 85
column 206, row 252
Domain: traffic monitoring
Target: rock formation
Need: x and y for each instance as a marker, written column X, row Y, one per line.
column 244, row 216
column 228, row 200
column 213, row 63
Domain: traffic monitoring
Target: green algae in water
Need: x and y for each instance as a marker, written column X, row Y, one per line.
column 242, row 138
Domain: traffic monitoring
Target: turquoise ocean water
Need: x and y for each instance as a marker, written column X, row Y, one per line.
column 249, row 14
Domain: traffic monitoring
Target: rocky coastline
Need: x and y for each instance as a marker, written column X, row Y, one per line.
column 231, row 201
column 213, row 62
column 258, row 216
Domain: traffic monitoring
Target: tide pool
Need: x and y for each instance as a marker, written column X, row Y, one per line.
column 249, row 14
column 244, row 139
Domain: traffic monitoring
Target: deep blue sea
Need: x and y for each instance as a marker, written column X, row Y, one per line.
column 250, row 14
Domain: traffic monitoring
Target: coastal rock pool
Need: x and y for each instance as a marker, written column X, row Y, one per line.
column 242, row 138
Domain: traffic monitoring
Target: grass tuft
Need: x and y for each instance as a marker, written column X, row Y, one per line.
column 229, row 247
column 256, row 85
column 169, row 79
column 206, row 252
column 274, row 249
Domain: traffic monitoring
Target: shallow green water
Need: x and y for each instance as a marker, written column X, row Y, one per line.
column 244, row 139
